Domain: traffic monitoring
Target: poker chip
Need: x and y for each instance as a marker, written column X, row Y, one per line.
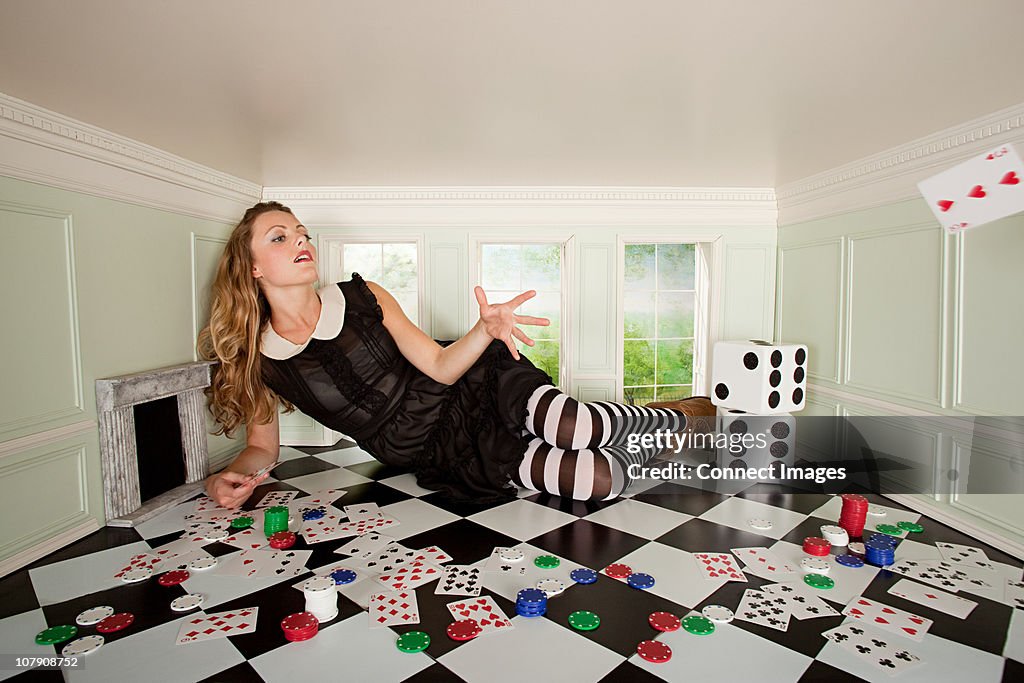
column 242, row 522
column 819, row 581
column 531, row 596
column 856, row 547
column 512, row 555
column 819, row 547
column 173, row 578
column 300, row 626
column 313, row 514
column 912, row 527
column 718, row 614
column 583, row 620
column 189, row 601
column 83, row 646
column 136, row 574
column 318, row 584
column 889, row 529
column 343, row 576
column 618, row 571
column 94, row 615
column 275, row 519
column 583, row 575
column 664, row 621
column 759, row 523
column 463, row 629
column 854, row 513
column 698, row 625
column 877, row 511
column 531, row 602
column 282, row 540
column 850, row 561
column 654, row 651
column 546, row 561
column 201, row 564
column 116, row 622
column 551, row 587
column 640, row 580
column 216, row 534
column 413, row 641
column 815, row 565
column 56, row 634
column 836, row 535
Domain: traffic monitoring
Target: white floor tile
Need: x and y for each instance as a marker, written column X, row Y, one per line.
column 1015, row 637
column 68, row 579
column 330, row 479
column 344, row 457
column 167, row 522
column 415, row 517
column 289, row 453
column 508, row 584
column 681, row 580
column 522, row 519
column 639, row 519
column 220, row 588
column 737, row 512
column 406, row 483
column 18, row 637
column 849, row 581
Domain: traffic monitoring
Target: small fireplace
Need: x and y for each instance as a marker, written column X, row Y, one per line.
column 152, row 440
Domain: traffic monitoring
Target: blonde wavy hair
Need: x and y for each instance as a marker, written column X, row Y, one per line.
column 238, row 312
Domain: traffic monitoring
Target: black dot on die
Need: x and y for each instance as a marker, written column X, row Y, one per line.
column 778, row 449
column 738, row 465
column 798, row 375
column 750, row 360
column 776, row 358
column 780, row 430
column 801, row 356
column 775, row 379
column 773, row 399
column 738, row 427
column 721, row 391
column 798, row 396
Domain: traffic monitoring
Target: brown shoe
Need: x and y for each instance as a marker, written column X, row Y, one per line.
column 699, row 410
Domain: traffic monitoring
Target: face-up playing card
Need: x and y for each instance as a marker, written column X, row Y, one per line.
column 719, row 566
column 940, row 573
column 362, row 526
column 765, row 563
column 801, row 605
column 205, row 504
column 323, row 497
column 497, row 563
column 363, row 511
column 410, row 575
column 1015, row 593
column 141, row 560
column 265, row 563
column 872, row 647
column 178, row 547
column 930, row 596
column 764, row 609
column 327, row 570
column 327, row 528
column 394, row 607
column 460, row 579
column 248, row 539
column 220, row 625
column 965, row 556
column 978, row 191
column 276, row 498
column 433, row 554
column 364, row 544
column 387, row 558
column 484, row 610
column 888, row 618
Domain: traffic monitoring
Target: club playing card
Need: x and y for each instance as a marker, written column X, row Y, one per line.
column 366, row 543
column 220, row 625
column 933, row 597
column 872, row 647
column 977, row 191
column 410, row 575
column 764, row 609
column 484, row 610
column 387, row 558
column 801, row 605
column 937, row 573
column 363, row 511
column 460, row 579
column 888, row 618
column 719, row 566
column 764, row 563
column 394, row 607
column 965, row 556
column 277, row 498
column 496, row 563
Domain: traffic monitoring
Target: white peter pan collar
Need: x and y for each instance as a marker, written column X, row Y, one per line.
column 332, row 317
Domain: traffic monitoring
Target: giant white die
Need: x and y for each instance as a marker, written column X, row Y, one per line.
column 755, row 440
column 758, row 377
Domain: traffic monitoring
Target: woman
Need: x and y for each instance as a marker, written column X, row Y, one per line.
column 467, row 416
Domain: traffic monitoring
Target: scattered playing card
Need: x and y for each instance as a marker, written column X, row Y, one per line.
column 248, row 539
column 395, row 607
column 140, row 560
column 410, row 575
column 764, row 563
column 323, row 497
column 719, row 566
column 220, row 625
column 433, row 554
column 764, row 609
column 965, row 556
column 484, row 610
column 872, row 647
column 460, row 579
column 801, row 605
column 264, row 563
column 360, row 527
column 277, row 498
column 933, row 597
column 938, row 573
column 363, row 511
column 366, row 543
column 978, row 191
column 888, row 618
column 496, row 563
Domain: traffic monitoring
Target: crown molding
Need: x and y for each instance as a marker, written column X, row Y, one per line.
column 892, row 176
column 42, row 146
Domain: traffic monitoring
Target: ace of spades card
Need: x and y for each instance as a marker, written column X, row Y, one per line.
column 978, row 191
column 460, row 579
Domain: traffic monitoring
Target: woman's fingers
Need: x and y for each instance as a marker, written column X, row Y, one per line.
column 530, row 320
column 521, row 336
column 481, row 296
column 523, row 298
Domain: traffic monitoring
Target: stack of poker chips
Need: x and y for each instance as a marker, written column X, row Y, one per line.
column 854, row 515
column 282, row 540
column 321, row 598
column 880, row 550
column 836, row 535
column 300, row 626
column 819, row 547
column 531, row 602
column 275, row 519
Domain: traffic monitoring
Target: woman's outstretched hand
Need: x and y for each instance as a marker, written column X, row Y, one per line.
column 500, row 320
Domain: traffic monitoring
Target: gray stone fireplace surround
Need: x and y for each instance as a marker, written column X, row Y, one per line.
column 115, row 399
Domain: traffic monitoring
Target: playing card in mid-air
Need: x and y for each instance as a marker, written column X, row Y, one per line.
column 977, row 191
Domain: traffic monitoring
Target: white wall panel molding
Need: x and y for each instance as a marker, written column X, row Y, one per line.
column 49, row 436
column 44, row 547
column 892, row 175
column 42, row 146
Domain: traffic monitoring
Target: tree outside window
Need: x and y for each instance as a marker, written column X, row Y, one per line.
column 392, row 265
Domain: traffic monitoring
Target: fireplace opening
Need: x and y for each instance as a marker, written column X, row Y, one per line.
column 160, row 452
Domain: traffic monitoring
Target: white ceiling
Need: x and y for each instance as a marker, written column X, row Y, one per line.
column 752, row 93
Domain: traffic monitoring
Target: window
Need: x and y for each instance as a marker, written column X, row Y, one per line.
column 392, row 265
column 659, row 319
column 507, row 270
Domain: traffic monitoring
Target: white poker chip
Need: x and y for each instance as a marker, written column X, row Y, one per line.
column 815, row 565
column 718, row 614
column 203, row 563
column 857, row 548
column 318, row 584
column 217, row 534
column 832, row 529
column 136, row 574
column 511, row 554
column 877, row 511
column 94, row 615
column 758, row 523
column 189, row 601
column 82, row 646
column 551, row 587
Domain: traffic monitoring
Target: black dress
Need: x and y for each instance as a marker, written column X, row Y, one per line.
column 463, row 439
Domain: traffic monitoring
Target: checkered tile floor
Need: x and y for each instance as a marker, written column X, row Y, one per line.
column 653, row 529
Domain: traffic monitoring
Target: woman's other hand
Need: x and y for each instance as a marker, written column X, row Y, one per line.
column 501, row 322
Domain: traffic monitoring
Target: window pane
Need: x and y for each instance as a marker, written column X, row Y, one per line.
column 409, row 302
column 639, row 267
column 545, row 355
column 541, row 266
column 675, row 362
column 544, row 305
column 364, row 259
column 668, row 393
column 501, row 267
column 676, row 263
column 675, row 314
column 638, row 396
column 638, row 315
column 399, row 267
column 637, row 363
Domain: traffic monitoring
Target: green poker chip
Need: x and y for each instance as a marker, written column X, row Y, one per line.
column 889, row 529
column 583, row 620
column 241, row 522
column 413, row 641
column 56, row 634
column 698, row 625
column 547, row 561
column 911, row 527
column 819, row 581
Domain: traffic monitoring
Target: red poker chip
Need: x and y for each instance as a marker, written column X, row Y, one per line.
column 664, row 621
column 464, row 629
column 299, row 621
column 854, row 500
column 116, row 622
column 173, row 578
column 282, row 539
column 654, row 651
column 618, row 571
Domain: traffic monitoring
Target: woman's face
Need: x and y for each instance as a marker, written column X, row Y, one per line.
column 282, row 254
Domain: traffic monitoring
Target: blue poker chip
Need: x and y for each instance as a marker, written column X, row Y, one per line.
column 314, row 513
column 640, row 580
column 881, row 539
column 583, row 575
column 850, row 561
column 531, row 596
column 342, row 576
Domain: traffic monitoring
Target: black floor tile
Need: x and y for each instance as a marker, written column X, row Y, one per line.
column 240, row 673
column 1013, row 671
column 627, row 672
column 587, row 543
column 19, row 596
column 820, row 672
column 435, row 673
column 681, row 498
column 299, row 467
column 104, row 539
column 371, row 492
column 466, row 541
column 698, row 535
column 314, row 450
column 569, row 506
column 785, row 497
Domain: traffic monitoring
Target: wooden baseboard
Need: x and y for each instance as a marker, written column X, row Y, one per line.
column 1007, row 544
